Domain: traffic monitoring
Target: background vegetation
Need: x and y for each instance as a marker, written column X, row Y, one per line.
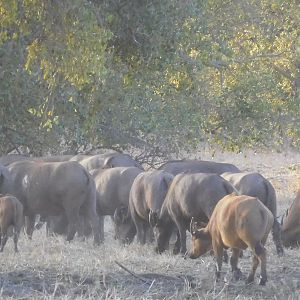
column 157, row 76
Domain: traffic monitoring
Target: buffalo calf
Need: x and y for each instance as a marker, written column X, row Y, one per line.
column 11, row 214
column 237, row 222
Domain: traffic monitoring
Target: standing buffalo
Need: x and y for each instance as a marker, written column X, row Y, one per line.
column 189, row 195
column 121, row 160
column 147, row 194
column 291, row 224
column 255, row 185
column 11, row 214
column 237, row 222
column 54, row 188
column 197, row 166
column 113, row 187
column 108, row 160
column 5, row 160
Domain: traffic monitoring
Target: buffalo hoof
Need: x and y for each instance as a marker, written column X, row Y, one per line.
column 225, row 257
column 237, row 275
column 250, row 279
column 280, row 252
column 176, row 250
column 158, row 251
column 262, row 281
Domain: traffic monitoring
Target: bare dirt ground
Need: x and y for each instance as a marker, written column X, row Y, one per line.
column 50, row 268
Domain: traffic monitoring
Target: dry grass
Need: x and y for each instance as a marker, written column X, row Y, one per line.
column 50, row 268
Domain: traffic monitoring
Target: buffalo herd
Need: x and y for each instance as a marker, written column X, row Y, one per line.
column 222, row 206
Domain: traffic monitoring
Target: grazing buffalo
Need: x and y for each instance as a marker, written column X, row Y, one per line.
column 291, row 224
column 237, row 222
column 113, row 187
column 53, row 188
column 189, row 195
column 11, row 214
column 197, row 166
column 255, row 185
column 147, row 194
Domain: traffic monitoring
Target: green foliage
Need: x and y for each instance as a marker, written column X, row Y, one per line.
column 157, row 76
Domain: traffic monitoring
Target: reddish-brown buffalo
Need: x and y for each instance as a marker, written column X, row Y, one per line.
column 237, row 222
column 255, row 185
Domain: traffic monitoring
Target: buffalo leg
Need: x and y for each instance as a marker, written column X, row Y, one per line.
column 96, row 226
column 101, row 228
column 259, row 256
column 276, row 233
column 255, row 262
column 150, row 234
column 73, row 217
column 30, row 221
column 218, row 252
column 16, row 237
column 140, row 229
column 234, row 262
column 177, row 244
column 263, row 265
column 182, row 234
column 3, row 241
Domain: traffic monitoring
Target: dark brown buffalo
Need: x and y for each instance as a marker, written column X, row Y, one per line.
column 237, row 222
column 108, row 160
column 291, row 224
column 54, row 158
column 5, row 160
column 197, row 166
column 255, row 185
column 11, row 214
column 147, row 194
column 113, row 187
column 54, row 188
column 190, row 195
column 121, row 160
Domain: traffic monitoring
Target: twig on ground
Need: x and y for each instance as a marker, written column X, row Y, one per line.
column 133, row 274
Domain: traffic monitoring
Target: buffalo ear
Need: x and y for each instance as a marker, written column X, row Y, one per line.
column 195, row 226
column 153, row 218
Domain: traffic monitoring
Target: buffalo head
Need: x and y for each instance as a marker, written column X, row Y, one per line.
column 201, row 239
column 124, row 227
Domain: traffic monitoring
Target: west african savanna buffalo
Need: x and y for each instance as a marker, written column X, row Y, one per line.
column 197, row 166
column 190, row 195
column 255, row 185
column 121, row 160
column 5, row 160
column 11, row 214
column 237, row 222
column 53, row 188
column 291, row 224
column 113, row 187
column 91, row 162
column 53, row 158
column 146, row 197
